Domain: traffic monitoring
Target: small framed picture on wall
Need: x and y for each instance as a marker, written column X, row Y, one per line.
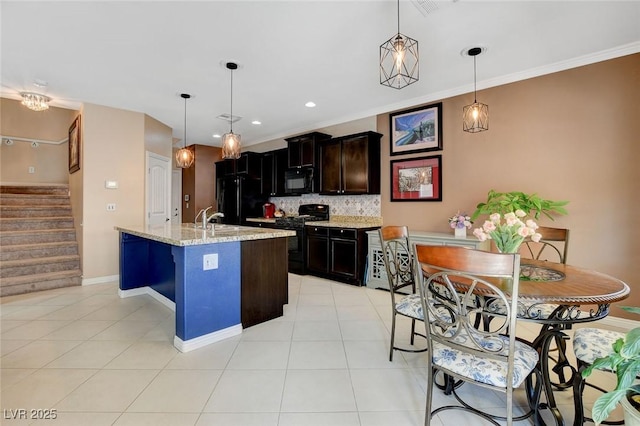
column 417, row 179
column 74, row 146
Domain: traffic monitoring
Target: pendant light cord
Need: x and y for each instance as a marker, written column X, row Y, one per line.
column 185, row 122
column 231, row 118
column 475, row 100
column 398, row 16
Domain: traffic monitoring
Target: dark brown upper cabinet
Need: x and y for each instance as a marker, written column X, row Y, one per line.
column 350, row 165
column 274, row 164
column 303, row 149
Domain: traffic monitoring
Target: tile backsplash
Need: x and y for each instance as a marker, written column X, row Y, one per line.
column 340, row 205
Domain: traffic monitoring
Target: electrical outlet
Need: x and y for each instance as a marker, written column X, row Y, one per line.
column 32, row 169
column 210, row 261
column 111, row 207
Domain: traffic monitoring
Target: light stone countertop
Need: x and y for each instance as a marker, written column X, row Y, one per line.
column 187, row 234
column 261, row 219
column 356, row 222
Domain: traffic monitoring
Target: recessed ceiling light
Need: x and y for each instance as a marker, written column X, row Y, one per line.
column 310, row 104
column 215, row 135
column 256, row 122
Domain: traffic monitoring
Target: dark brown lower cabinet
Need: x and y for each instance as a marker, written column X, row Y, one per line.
column 337, row 253
column 264, row 280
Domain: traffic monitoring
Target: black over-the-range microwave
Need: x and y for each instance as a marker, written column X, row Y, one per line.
column 298, row 181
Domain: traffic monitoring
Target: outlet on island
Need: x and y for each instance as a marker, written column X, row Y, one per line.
column 210, row 261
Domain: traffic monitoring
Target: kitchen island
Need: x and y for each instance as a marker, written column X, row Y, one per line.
column 216, row 280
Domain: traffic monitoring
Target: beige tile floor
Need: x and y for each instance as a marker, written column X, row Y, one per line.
column 97, row 359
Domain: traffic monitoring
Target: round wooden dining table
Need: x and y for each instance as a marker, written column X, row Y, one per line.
column 558, row 296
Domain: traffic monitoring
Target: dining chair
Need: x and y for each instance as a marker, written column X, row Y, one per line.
column 405, row 301
column 553, row 246
column 588, row 345
column 451, row 280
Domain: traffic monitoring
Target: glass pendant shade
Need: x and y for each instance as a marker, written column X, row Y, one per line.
column 231, row 145
column 475, row 117
column 35, row 101
column 399, row 61
column 184, row 158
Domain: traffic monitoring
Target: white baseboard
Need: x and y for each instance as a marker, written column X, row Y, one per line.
column 100, row 280
column 616, row 322
column 207, row 339
column 151, row 292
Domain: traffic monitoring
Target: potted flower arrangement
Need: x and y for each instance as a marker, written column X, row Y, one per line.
column 513, row 207
column 624, row 361
column 508, row 235
column 460, row 222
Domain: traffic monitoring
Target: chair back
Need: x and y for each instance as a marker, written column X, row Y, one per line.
column 553, row 245
column 455, row 283
column 398, row 260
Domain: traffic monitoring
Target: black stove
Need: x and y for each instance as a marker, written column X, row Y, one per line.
column 297, row 245
column 306, row 213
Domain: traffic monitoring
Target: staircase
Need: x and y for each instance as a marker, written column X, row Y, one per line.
column 38, row 247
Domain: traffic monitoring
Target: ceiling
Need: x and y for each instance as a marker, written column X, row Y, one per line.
column 141, row 55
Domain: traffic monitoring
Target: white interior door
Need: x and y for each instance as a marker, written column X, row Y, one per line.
column 158, row 189
column 176, row 197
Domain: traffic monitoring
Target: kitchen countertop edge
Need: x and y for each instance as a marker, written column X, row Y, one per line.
column 187, row 235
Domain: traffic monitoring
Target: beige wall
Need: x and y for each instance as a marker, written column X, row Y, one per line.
column 158, row 137
column 113, row 149
column 571, row 135
column 50, row 161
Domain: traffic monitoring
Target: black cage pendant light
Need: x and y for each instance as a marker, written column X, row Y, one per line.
column 230, row 141
column 475, row 117
column 184, row 156
column 399, row 60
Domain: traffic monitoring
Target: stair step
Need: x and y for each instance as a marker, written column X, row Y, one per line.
column 33, row 251
column 37, row 236
column 35, row 211
column 33, row 223
column 39, row 282
column 20, row 267
column 35, row 189
column 33, row 199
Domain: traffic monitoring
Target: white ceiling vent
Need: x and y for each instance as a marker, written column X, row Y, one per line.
column 227, row 118
column 427, row 7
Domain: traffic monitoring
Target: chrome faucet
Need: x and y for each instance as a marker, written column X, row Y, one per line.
column 202, row 212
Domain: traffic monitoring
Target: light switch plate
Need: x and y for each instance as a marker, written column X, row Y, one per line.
column 210, row 261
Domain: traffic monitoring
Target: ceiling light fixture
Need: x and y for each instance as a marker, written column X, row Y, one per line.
column 310, row 104
column 35, row 101
column 184, row 156
column 475, row 117
column 230, row 141
column 399, row 60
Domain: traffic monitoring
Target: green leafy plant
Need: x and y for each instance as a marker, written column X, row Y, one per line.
column 624, row 361
column 506, row 202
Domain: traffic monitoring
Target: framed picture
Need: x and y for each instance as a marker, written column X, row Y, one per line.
column 74, row 146
column 417, row 179
column 416, row 130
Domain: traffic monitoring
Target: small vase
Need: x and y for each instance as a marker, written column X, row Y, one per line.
column 460, row 232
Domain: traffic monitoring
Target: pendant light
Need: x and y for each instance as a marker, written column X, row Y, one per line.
column 230, row 141
column 35, row 101
column 399, row 60
column 184, row 156
column 475, row 117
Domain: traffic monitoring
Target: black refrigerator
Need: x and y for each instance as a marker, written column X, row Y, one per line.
column 239, row 197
